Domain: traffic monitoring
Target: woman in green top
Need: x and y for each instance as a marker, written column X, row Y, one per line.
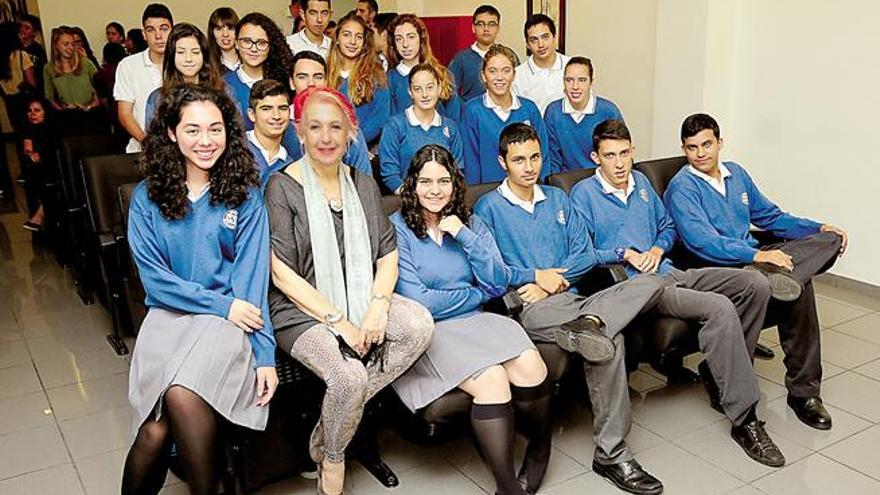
column 68, row 78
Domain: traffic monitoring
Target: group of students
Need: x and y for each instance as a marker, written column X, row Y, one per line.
column 259, row 225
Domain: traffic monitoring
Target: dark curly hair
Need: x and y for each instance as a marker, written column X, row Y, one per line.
column 279, row 60
column 164, row 166
column 411, row 209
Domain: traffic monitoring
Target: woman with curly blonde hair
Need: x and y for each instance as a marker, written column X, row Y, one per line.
column 409, row 45
column 199, row 235
column 355, row 70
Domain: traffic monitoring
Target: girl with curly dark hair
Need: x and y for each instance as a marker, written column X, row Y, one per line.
column 410, row 45
column 450, row 263
column 199, row 235
column 264, row 54
column 187, row 59
column 355, row 70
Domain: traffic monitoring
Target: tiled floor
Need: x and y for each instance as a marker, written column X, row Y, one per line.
column 64, row 417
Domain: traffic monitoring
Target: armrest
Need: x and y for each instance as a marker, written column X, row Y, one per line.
column 600, row 278
column 106, row 240
column 509, row 304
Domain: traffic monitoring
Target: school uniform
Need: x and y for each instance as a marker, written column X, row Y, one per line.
column 466, row 67
column 713, row 217
column 730, row 304
column 372, row 115
column 453, row 277
column 357, row 156
column 542, row 86
column 542, row 234
column 267, row 165
column 239, row 85
column 571, row 131
column 481, row 128
column 405, row 135
column 299, row 42
column 186, row 338
column 398, row 85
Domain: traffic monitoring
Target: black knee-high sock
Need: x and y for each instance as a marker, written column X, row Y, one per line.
column 493, row 427
column 194, row 427
column 533, row 408
column 146, row 465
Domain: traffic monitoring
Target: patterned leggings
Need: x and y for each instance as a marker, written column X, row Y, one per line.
column 350, row 383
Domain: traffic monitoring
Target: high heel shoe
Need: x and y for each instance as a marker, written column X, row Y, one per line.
column 321, row 482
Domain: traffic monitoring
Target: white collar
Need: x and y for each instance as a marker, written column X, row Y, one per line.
column 344, row 73
column 404, row 69
column 557, row 65
column 410, row 114
column 489, row 103
column 282, row 151
column 245, row 78
column 325, row 41
column 569, row 109
column 148, row 62
column 435, row 235
column 194, row 196
column 233, row 66
column 529, row 206
column 607, row 188
column 717, row 184
column 475, row 47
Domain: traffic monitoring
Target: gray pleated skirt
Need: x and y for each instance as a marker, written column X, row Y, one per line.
column 206, row 354
column 460, row 348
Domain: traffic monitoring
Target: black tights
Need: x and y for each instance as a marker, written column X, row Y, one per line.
column 533, row 409
column 193, row 424
column 493, row 428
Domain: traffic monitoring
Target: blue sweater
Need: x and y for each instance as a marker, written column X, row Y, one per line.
column 398, row 85
column 200, row 263
column 716, row 227
column 466, row 67
column 570, row 142
column 400, row 141
column 357, row 155
column 265, row 170
column 551, row 237
column 480, row 129
column 454, row 279
column 639, row 224
column 240, row 94
column 374, row 114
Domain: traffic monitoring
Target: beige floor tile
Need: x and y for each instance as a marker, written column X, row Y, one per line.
column 833, row 312
column 781, row 421
column 589, row 483
column 847, row 296
column 643, row 382
column 89, row 397
column 60, row 365
column 31, row 450
column 292, row 486
column 179, row 489
column 866, row 328
column 871, row 370
column 575, row 439
column 14, row 353
column 746, row 490
column 18, row 380
column 102, row 474
column 437, row 479
column 114, row 426
column 58, row 480
column 714, row 445
column 854, row 393
column 774, row 369
column 671, row 412
column 770, row 390
column 817, row 475
column 65, row 320
column 858, row 452
column 683, row 473
column 25, row 412
column 847, row 352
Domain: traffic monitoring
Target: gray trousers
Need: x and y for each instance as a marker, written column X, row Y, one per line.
column 731, row 304
column 616, row 306
column 798, row 321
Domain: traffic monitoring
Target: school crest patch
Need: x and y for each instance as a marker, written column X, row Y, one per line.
column 230, row 219
column 644, row 195
column 560, row 217
column 526, row 122
column 745, row 198
column 446, row 132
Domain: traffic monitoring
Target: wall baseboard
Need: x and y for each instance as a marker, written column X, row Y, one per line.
column 846, row 283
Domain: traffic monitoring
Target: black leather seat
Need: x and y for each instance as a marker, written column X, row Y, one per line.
column 133, row 295
column 101, row 177
column 567, row 180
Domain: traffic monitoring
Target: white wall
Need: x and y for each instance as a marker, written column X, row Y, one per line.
column 619, row 37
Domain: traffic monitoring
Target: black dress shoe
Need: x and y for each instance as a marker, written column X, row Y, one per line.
column 757, row 444
column 783, row 287
column 810, row 411
column 585, row 337
column 764, row 352
column 711, row 387
column 629, row 477
column 381, row 472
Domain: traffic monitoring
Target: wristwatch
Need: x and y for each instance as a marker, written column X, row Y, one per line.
column 331, row 319
column 620, row 252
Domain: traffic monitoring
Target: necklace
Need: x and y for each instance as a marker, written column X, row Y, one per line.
column 336, row 204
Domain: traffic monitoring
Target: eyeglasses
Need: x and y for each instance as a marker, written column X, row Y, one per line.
column 247, row 44
column 483, row 24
